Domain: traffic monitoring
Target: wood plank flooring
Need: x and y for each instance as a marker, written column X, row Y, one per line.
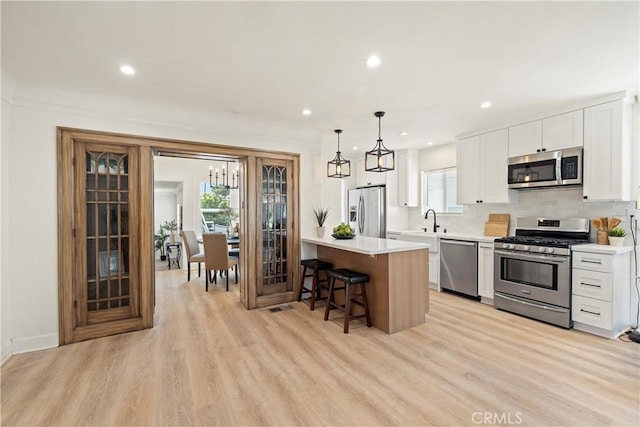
column 208, row 361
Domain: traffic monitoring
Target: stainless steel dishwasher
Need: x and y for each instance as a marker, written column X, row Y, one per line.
column 459, row 266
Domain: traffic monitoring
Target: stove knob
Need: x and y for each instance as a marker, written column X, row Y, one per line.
column 505, row 246
column 511, row 246
column 525, row 248
column 549, row 250
column 541, row 249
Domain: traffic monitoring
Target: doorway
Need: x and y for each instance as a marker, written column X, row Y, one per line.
column 269, row 232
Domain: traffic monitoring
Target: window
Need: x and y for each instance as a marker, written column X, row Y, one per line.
column 439, row 191
column 216, row 211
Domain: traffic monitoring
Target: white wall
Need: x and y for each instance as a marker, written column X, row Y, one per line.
column 33, row 203
column 5, row 289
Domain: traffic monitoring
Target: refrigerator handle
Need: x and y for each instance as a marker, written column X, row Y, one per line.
column 361, row 214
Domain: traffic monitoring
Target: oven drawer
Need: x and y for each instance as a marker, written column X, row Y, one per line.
column 593, row 262
column 593, row 284
column 591, row 312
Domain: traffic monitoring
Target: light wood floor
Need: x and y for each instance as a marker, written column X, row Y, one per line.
column 210, row 362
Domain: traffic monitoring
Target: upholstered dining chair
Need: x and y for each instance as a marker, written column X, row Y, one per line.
column 190, row 243
column 216, row 255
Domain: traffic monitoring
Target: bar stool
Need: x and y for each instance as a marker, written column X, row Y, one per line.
column 316, row 266
column 349, row 278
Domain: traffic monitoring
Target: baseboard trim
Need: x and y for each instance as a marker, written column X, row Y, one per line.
column 39, row 342
column 6, row 354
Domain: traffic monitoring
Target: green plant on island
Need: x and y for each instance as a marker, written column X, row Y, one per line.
column 616, row 232
column 321, row 216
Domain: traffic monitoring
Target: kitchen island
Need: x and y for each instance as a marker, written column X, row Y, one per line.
column 398, row 270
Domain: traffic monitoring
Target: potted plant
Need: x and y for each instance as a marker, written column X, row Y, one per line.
column 321, row 216
column 159, row 243
column 172, row 226
column 616, row 236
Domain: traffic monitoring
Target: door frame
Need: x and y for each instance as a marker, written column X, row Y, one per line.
column 149, row 146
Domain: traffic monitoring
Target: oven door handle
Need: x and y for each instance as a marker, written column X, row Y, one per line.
column 545, row 307
column 556, row 259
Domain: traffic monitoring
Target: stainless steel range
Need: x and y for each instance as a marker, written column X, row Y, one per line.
column 532, row 270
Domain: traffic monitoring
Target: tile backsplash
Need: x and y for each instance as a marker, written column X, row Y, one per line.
column 556, row 202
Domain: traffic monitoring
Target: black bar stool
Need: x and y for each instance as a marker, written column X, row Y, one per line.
column 348, row 277
column 316, row 266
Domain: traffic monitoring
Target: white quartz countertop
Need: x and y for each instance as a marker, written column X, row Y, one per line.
column 601, row 249
column 367, row 245
column 455, row 236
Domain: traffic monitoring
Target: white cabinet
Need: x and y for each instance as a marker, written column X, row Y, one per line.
column 550, row 134
column 482, row 168
column 365, row 179
column 600, row 292
column 607, row 152
column 562, row 131
column 408, row 178
column 525, row 139
column 485, row 272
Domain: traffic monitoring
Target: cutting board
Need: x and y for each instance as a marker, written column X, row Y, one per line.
column 497, row 226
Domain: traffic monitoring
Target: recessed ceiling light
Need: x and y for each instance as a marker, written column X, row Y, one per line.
column 306, row 112
column 404, row 133
column 355, row 148
column 127, row 69
column 373, row 61
column 485, row 104
column 430, row 143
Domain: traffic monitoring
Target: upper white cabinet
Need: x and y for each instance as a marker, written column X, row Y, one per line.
column 468, row 170
column 482, row 168
column 562, row 131
column 408, row 177
column 525, row 139
column 364, row 178
column 607, row 152
column 550, row 134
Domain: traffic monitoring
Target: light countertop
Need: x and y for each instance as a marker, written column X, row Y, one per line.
column 454, row 236
column 367, row 245
column 601, row 249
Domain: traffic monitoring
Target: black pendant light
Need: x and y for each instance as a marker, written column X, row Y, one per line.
column 380, row 159
column 225, row 178
column 339, row 167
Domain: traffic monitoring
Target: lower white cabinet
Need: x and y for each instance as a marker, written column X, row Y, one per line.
column 485, row 272
column 600, row 292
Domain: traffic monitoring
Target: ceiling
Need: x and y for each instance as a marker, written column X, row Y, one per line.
column 440, row 60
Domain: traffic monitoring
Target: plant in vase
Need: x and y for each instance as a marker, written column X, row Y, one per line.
column 603, row 226
column 172, row 226
column 616, row 236
column 321, row 216
column 158, row 240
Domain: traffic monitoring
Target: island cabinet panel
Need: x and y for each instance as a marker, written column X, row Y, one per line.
column 398, row 287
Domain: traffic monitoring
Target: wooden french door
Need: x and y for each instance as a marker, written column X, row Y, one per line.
column 102, row 259
column 277, row 231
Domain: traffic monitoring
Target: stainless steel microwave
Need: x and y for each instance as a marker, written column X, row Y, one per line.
column 546, row 169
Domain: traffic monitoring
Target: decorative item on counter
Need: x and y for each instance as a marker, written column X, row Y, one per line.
column 172, row 226
column 603, row 225
column 321, row 216
column 497, row 225
column 616, row 236
column 343, row 231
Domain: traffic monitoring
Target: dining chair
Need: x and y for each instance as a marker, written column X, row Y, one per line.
column 216, row 255
column 190, row 243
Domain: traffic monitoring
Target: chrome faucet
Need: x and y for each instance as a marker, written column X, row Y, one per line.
column 435, row 224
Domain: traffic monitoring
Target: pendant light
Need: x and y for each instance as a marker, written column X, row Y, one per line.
column 339, row 167
column 380, row 159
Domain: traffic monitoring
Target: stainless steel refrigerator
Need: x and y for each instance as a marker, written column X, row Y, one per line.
column 367, row 211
